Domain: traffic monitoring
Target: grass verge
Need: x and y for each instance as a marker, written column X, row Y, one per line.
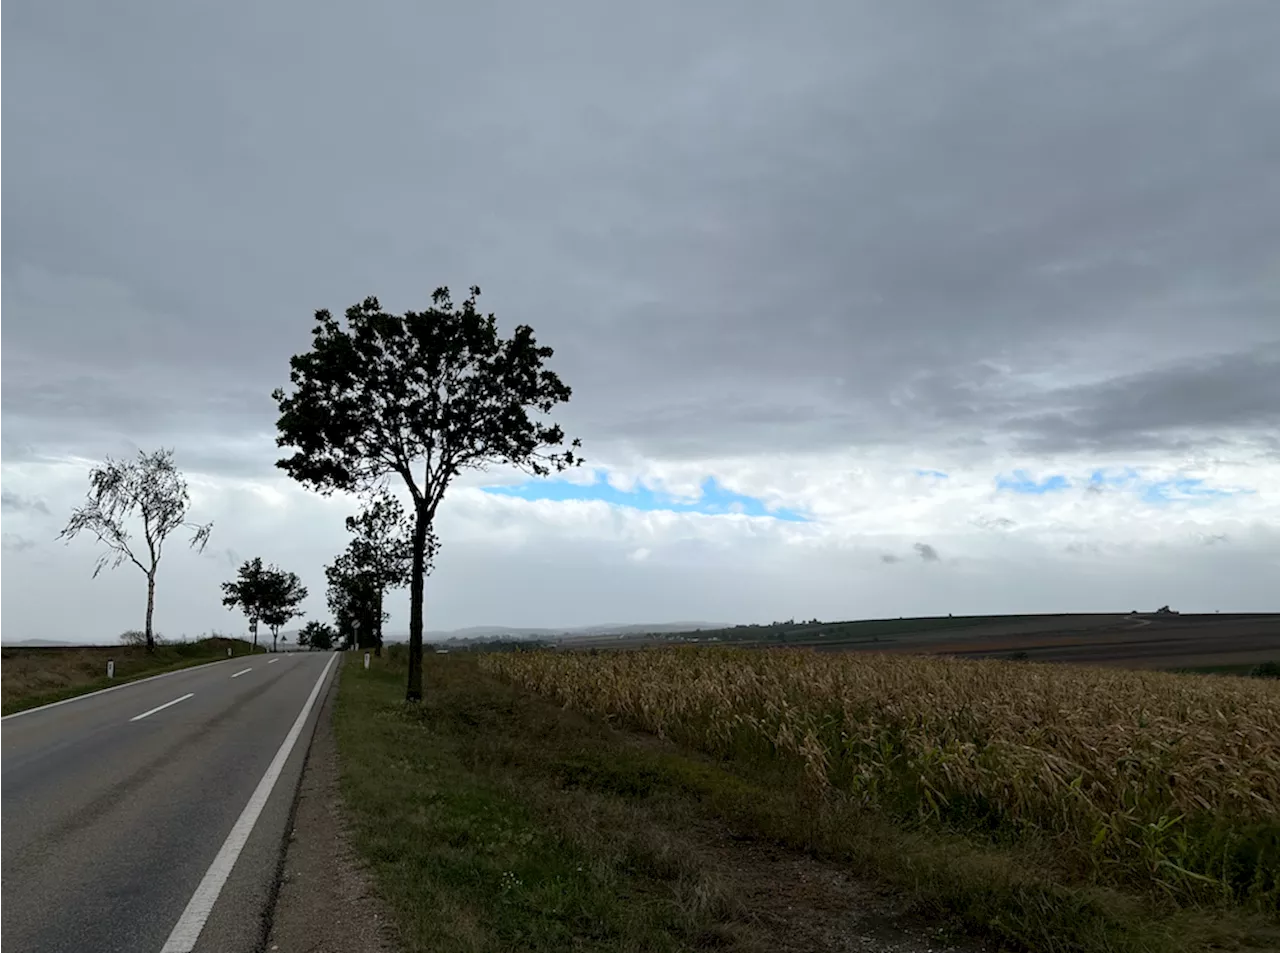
column 32, row 677
column 494, row 820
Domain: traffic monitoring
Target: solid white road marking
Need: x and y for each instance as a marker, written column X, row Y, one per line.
column 241, row 672
column 113, row 688
column 273, row 661
column 161, row 707
column 187, row 931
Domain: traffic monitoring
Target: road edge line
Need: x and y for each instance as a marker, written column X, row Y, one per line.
column 115, row 688
column 325, row 702
column 186, row 932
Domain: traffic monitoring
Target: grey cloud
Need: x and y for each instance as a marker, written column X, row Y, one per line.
column 13, row 503
column 1239, row 390
column 744, row 227
column 1082, row 549
column 890, row 558
column 995, row 522
column 744, row 230
column 14, row 543
column 927, row 552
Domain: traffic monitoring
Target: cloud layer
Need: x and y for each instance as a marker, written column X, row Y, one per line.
column 874, row 309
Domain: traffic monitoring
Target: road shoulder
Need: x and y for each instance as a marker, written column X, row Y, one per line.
column 325, row 902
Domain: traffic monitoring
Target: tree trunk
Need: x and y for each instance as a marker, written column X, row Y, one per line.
column 275, row 634
column 151, row 608
column 377, row 630
column 254, row 628
column 416, row 580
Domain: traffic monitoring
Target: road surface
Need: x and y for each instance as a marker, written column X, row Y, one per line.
column 151, row 818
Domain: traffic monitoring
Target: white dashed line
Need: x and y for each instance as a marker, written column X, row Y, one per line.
column 273, row 661
column 241, row 672
column 161, row 707
column 113, row 688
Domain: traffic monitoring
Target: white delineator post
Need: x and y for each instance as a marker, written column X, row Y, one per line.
column 366, row 659
column 111, row 668
column 228, row 651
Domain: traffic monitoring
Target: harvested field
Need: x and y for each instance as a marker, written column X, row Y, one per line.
column 1144, row 641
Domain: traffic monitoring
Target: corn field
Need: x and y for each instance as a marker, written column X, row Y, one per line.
column 1168, row 783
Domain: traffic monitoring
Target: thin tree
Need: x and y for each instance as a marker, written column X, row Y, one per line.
column 150, row 491
column 284, row 596
column 420, row 396
column 248, row 593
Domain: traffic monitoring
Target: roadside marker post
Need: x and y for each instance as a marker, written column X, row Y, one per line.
column 228, row 651
column 366, row 660
column 111, row 668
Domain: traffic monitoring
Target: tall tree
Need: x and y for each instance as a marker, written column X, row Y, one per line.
column 284, row 596
column 419, row 396
column 248, row 592
column 149, row 490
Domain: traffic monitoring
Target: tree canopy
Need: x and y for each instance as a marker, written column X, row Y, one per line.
column 420, row 396
column 284, row 596
column 316, row 635
column 265, row 594
column 150, row 491
column 378, row 558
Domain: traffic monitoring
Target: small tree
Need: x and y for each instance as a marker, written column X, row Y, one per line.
column 419, row 396
column 378, row 558
column 249, row 592
column 316, row 635
column 149, row 489
column 353, row 600
column 285, row 593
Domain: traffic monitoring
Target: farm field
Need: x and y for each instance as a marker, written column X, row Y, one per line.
column 1147, row 641
column 31, row 676
column 493, row 819
column 1158, row 788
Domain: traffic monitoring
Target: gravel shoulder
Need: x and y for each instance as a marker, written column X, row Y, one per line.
column 325, row 902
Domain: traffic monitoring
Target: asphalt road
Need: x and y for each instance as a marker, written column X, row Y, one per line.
column 120, row 808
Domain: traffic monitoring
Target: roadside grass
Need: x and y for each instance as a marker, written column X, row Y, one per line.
column 35, row 676
column 476, row 846
column 493, row 819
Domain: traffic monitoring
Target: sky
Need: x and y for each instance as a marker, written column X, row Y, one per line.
column 868, row 309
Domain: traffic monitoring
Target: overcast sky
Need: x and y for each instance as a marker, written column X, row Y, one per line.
column 869, row 309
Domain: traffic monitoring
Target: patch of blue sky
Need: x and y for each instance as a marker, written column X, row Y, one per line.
column 937, row 474
column 713, row 499
column 1022, row 482
column 1116, row 479
column 1161, row 491
column 1190, row 489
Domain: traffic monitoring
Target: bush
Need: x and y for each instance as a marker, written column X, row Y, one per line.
column 138, row 639
column 1266, row 670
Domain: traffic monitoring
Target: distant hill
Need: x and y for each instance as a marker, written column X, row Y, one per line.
column 38, row 643
column 514, row 632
